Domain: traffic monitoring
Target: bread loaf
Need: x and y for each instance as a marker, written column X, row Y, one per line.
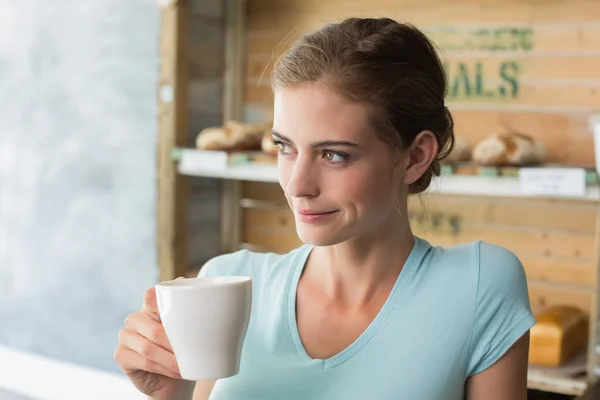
column 560, row 333
column 233, row 136
column 508, row 149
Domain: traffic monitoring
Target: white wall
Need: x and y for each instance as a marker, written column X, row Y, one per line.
column 78, row 130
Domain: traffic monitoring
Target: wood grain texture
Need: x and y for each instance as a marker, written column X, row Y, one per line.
column 173, row 119
column 235, row 61
column 530, row 66
column 545, row 296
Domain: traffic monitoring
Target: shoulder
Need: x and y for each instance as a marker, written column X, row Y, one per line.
column 486, row 273
column 486, row 260
column 500, row 270
column 248, row 263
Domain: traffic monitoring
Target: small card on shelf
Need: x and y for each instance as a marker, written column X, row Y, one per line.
column 192, row 160
column 553, row 181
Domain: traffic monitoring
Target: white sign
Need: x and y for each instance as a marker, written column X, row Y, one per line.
column 553, row 181
column 201, row 160
column 595, row 127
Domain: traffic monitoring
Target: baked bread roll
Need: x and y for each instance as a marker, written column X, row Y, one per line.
column 508, row 149
column 233, row 136
column 560, row 333
column 267, row 144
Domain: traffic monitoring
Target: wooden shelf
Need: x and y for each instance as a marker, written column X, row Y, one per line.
column 244, row 172
column 495, row 186
column 471, row 185
column 568, row 379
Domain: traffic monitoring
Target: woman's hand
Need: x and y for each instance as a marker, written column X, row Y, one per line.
column 146, row 357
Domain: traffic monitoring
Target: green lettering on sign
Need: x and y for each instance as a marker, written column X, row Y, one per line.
column 479, row 83
column 468, row 81
column 509, row 72
column 484, row 39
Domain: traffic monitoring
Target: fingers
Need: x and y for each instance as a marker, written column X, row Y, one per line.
column 148, row 351
column 149, row 328
column 150, row 304
column 131, row 361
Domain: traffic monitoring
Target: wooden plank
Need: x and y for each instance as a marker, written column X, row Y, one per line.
column 543, row 296
column 436, row 12
column 559, row 25
column 234, row 75
column 565, row 379
column 566, row 271
column 235, row 58
column 172, row 131
column 273, row 219
column 551, row 244
column 264, row 191
column 527, row 213
column 278, row 241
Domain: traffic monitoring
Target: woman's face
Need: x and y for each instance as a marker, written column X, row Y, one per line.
column 333, row 168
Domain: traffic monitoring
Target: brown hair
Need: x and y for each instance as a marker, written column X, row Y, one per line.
column 390, row 67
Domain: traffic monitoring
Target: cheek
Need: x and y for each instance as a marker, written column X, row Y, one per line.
column 365, row 190
column 283, row 171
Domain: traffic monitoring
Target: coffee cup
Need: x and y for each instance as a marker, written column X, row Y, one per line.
column 206, row 320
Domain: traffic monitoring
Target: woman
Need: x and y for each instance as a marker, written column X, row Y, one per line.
column 364, row 309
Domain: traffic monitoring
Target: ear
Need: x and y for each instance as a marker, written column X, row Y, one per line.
column 422, row 152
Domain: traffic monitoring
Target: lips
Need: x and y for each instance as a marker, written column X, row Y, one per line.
column 314, row 216
column 313, row 212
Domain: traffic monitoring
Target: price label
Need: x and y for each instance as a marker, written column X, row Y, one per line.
column 199, row 160
column 553, row 181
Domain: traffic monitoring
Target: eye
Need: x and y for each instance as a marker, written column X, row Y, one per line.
column 282, row 147
column 335, row 156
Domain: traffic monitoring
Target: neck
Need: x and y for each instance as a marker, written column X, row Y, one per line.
column 356, row 270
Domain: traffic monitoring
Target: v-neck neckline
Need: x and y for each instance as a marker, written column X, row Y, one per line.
column 300, row 262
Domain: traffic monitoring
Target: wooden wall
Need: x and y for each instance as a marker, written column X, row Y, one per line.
column 529, row 65
column 553, row 239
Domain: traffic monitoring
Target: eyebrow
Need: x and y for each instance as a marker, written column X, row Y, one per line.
column 324, row 143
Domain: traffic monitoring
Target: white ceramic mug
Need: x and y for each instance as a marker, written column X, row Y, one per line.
column 206, row 320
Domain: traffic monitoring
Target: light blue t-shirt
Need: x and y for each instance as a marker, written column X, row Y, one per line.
column 451, row 314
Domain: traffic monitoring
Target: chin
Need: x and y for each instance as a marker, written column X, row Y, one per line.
column 319, row 235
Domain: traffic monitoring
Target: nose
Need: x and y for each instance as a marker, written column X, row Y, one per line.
column 303, row 180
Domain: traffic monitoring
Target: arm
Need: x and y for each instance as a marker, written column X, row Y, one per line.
column 504, row 380
column 203, row 390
